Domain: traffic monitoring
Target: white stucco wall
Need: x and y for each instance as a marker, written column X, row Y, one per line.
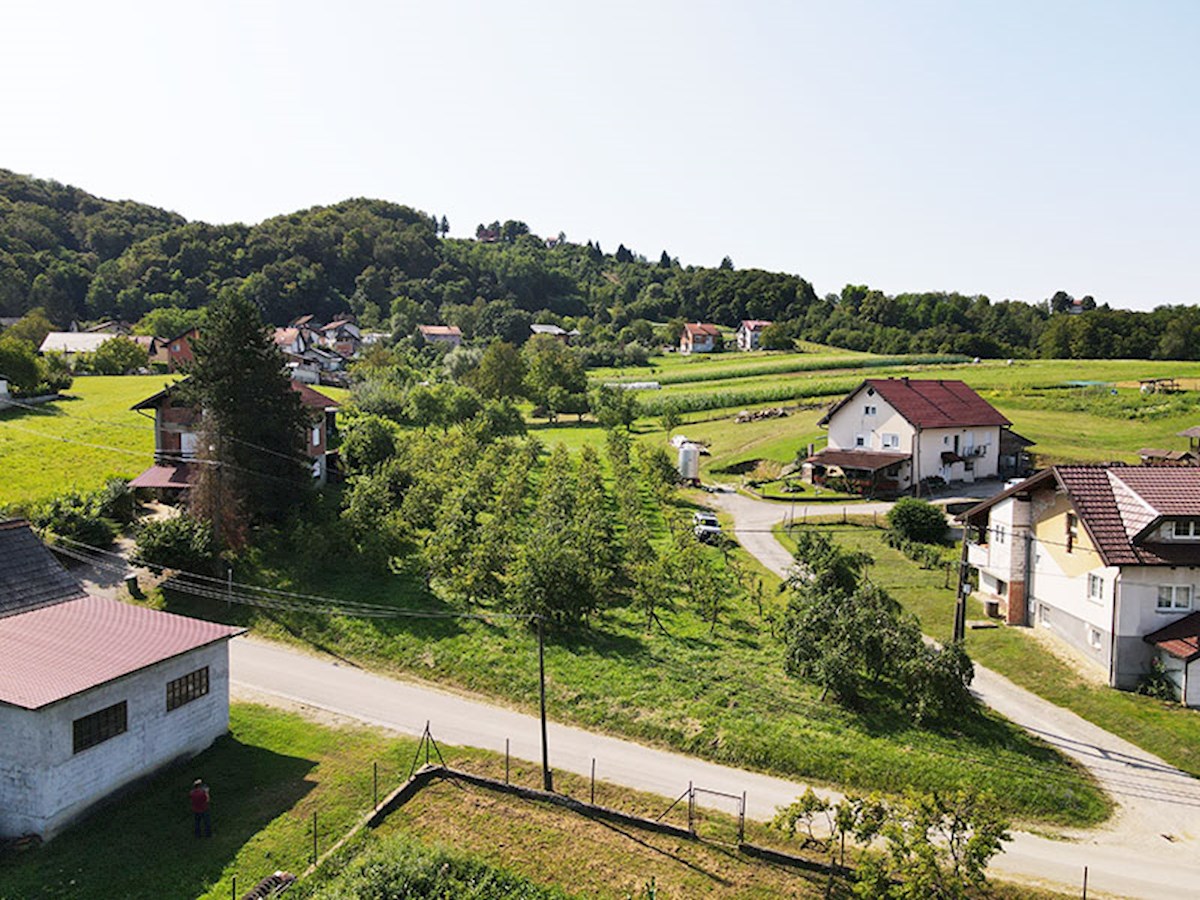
column 44, row 785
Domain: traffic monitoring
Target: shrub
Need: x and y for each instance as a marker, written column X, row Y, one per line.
column 180, row 542
column 917, row 520
column 75, row 516
column 1157, row 684
column 116, row 501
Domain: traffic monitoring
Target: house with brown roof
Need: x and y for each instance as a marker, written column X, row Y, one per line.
column 450, row 335
column 889, row 435
column 1105, row 558
column 749, row 333
column 95, row 694
column 179, row 349
column 177, row 429
column 699, row 337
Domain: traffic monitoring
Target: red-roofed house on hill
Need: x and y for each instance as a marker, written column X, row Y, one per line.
column 176, row 431
column 441, row 334
column 749, row 333
column 699, row 337
column 890, row 434
column 95, row 694
column 179, row 349
column 1106, row 559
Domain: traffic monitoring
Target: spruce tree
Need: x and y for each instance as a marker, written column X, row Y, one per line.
column 254, row 425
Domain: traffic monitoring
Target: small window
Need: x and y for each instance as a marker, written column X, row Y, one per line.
column 191, row 686
column 316, row 436
column 100, row 726
column 946, row 441
column 1001, row 534
column 1185, row 529
column 1001, row 587
column 1173, row 597
column 869, row 410
column 1094, row 638
column 1095, row 588
column 891, row 441
column 860, row 440
column 1072, row 531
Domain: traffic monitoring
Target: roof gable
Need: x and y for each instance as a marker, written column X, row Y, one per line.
column 30, row 576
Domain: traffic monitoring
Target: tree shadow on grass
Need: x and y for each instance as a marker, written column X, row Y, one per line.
column 142, row 845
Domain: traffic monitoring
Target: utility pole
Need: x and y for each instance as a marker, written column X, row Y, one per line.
column 547, row 779
column 960, row 598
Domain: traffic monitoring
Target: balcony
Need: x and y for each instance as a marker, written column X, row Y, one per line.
column 978, row 555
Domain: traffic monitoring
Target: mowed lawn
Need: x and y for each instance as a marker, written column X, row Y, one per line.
column 78, row 442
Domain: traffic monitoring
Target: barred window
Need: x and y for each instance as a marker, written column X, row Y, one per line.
column 100, row 726
column 191, row 686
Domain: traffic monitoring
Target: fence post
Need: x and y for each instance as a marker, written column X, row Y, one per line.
column 742, row 819
column 1085, row 883
column 314, row 837
column 233, row 888
column 691, row 807
column 375, row 786
column 593, row 781
column 506, row 760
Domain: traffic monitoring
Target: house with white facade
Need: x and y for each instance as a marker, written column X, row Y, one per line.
column 450, row 335
column 890, row 434
column 95, row 694
column 699, row 337
column 749, row 333
column 1105, row 558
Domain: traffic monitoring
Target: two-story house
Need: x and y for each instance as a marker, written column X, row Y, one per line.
column 1105, row 558
column 890, row 434
column 699, row 337
column 450, row 335
column 749, row 333
column 176, row 432
column 342, row 336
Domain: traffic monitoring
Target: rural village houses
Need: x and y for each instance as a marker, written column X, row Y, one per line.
column 1105, row 558
column 890, row 434
column 699, row 337
column 176, row 431
column 95, row 694
column 451, row 335
column 749, row 333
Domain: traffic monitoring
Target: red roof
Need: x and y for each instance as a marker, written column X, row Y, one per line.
column 697, row 328
column 1181, row 638
column 444, row 330
column 177, row 475
column 54, row 652
column 927, row 403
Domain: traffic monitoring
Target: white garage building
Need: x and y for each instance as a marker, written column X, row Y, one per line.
column 95, row 694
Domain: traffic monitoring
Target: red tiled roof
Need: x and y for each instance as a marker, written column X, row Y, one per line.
column 929, row 404
column 1181, row 638
column 286, row 335
column 177, row 475
column 755, row 324
column 444, row 330
column 695, row 328
column 1176, row 494
column 313, row 399
column 871, row 460
column 52, row 653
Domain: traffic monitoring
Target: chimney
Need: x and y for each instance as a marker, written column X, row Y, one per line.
column 905, row 379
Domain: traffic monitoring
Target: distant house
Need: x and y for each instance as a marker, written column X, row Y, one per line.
column 95, row 694
column 1154, row 456
column 441, row 334
column 342, row 336
column 179, row 349
column 291, row 340
column 556, row 332
column 749, row 333
column 111, row 327
column 889, row 434
column 699, row 337
column 176, row 432
column 72, row 343
column 1106, row 559
column 155, row 347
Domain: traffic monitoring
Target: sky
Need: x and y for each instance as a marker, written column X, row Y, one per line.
column 1009, row 149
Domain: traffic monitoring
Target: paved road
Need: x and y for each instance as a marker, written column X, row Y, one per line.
column 1157, row 824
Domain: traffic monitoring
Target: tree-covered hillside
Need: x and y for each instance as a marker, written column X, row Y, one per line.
column 80, row 257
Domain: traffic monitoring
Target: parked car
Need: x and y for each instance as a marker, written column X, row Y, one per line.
column 705, row 526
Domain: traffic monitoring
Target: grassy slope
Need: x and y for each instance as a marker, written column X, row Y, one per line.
column 1165, row 729
column 38, row 465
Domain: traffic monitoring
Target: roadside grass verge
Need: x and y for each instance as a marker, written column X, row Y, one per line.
column 722, row 695
column 267, row 778
column 1167, row 730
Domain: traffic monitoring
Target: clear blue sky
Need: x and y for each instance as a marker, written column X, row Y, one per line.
column 1011, row 149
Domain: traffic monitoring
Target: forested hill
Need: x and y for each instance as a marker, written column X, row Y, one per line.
column 80, row 257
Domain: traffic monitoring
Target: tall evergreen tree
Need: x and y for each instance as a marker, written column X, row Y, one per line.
column 254, row 419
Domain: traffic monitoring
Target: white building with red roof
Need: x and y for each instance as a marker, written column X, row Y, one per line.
column 95, row 694
column 749, row 333
column 699, row 337
column 890, row 434
column 1104, row 558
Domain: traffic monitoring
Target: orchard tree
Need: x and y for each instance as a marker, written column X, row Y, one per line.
column 117, row 356
column 500, row 373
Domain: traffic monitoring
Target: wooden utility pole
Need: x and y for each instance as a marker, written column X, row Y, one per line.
column 547, row 779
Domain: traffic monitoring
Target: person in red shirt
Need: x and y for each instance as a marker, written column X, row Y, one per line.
column 199, row 799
